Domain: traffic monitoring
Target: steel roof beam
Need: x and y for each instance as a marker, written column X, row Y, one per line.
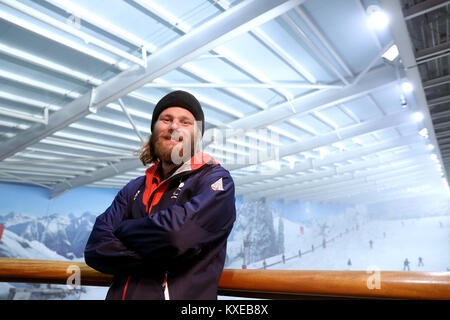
column 373, row 194
column 237, row 20
column 373, row 80
column 389, row 121
column 406, row 53
column 378, row 162
column 332, row 190
column 14, row 178
column 423, row 7
column 69, row 29
column 100, row 174
column 339, row 157
column 376, row 194
column 376, row 79
column 183, row 28
column 348, row 179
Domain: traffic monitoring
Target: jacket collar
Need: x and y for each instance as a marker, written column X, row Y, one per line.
column 152, row 173
column 195, row 163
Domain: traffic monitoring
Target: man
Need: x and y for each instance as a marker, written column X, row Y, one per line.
column 164, row 236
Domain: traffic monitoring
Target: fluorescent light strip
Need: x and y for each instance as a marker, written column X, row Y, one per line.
column 103, row 24
column 62, row 40
column 38, row 84
column 68, row 28
column 165, row 15
column 210, row 102
column 284, row 55
column 245, row 66
column 47, row 64
column 190, row 67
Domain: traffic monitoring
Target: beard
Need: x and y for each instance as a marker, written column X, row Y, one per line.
column 166, row 150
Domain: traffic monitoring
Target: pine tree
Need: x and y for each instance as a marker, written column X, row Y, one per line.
column 255, row 226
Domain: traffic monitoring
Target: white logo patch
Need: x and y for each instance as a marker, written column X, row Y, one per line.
column 217, row 185
column 177, row 191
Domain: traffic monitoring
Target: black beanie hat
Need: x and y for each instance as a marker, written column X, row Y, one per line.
column 181, row 99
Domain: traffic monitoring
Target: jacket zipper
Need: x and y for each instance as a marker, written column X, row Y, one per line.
column 165, row 286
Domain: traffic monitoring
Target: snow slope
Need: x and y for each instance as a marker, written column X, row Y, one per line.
column 393, row 242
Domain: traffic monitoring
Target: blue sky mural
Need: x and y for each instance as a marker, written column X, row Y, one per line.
column 36, row 200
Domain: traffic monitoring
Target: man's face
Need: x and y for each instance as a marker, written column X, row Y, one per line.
column 173, row 135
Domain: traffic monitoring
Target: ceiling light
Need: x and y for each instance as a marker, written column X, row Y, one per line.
column 434, row 157
column 323, row 153
column 338, row 145
column 392, row 53
column 407, row 87
column 430, row 147
column 356, row 140
column 418, row 116
column 424, row 132
column 378, row 19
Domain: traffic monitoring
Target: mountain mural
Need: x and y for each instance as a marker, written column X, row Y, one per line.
column 66, row 234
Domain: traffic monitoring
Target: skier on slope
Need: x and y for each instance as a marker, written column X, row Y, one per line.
column 406, row 264
column 420, row 262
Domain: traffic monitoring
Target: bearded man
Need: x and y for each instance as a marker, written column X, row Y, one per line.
column 164, row 235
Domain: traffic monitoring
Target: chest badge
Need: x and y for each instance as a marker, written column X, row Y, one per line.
column 177, row 191
column 218, row 185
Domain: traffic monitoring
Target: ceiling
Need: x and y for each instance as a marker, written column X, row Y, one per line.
column 308, row 81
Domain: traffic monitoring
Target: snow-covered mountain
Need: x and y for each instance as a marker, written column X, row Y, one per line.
column 14, row 246
column 65, row 234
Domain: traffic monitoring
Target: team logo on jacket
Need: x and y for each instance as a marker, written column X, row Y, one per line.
column 218, row 185
column 177, row 191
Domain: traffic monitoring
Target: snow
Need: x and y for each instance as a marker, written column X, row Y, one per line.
column 65, row 234
column 393, row 242
column 94, row 293
column 14, row 246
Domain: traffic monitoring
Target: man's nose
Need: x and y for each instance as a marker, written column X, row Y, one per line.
column 174, row 125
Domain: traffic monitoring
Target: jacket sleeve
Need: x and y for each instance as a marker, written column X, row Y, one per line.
column 182, row 231
column 104, row 251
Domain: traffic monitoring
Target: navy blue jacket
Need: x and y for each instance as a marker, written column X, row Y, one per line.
column 166, row 239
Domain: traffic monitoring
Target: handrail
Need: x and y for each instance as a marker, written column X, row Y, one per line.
column 259, row 283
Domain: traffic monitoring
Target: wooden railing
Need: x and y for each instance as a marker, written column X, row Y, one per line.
column 279, row 284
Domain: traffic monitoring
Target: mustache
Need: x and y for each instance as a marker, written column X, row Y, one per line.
column 176, row 135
